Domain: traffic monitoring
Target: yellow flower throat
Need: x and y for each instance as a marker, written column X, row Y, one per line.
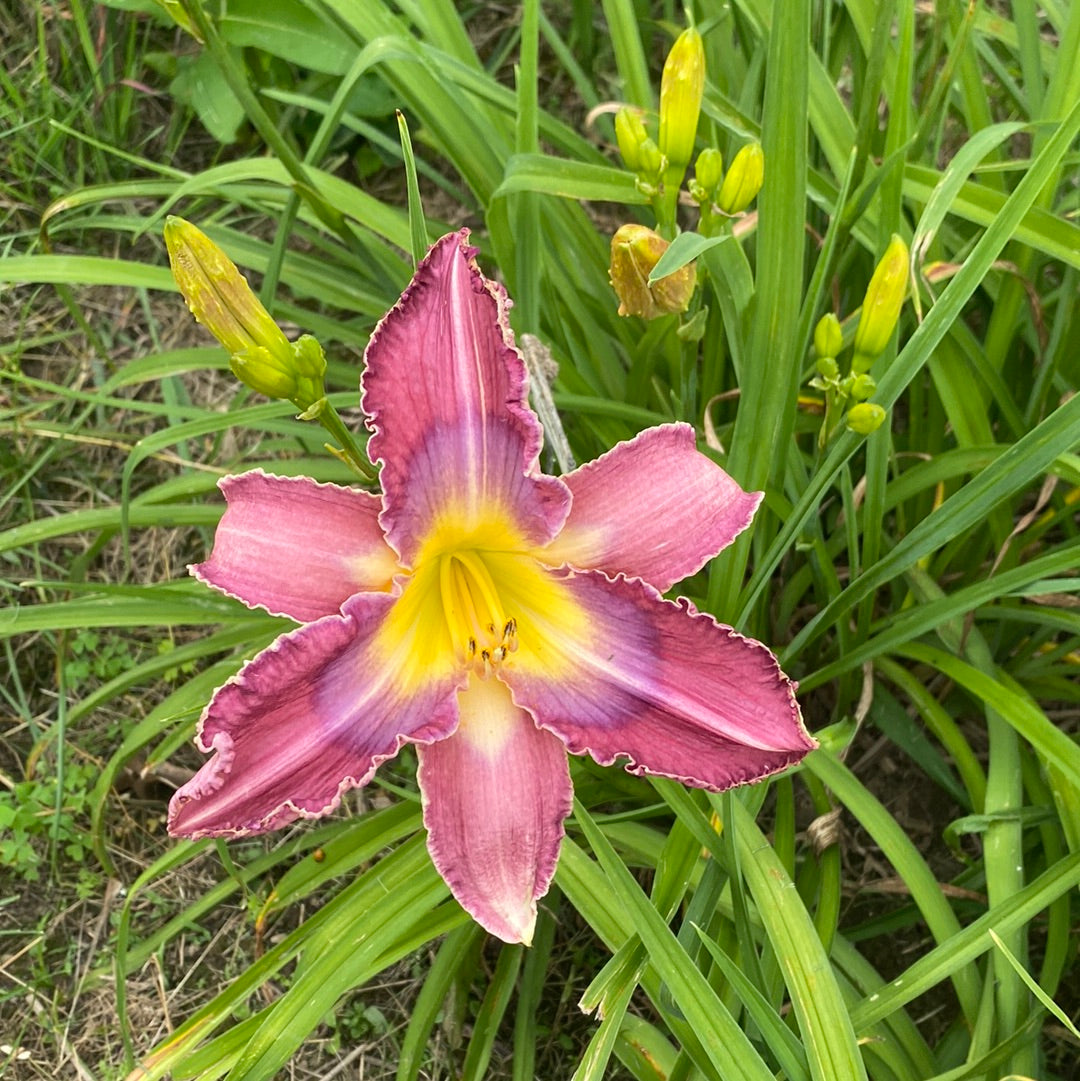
column 481, row 631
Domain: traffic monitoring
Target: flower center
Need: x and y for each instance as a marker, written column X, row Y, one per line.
column 480, row 629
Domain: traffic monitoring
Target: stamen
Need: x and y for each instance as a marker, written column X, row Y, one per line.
column 473, row 612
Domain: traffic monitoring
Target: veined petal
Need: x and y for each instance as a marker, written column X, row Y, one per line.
column 309, row 718
column 660, row 684
column 296, row 547
column 445, row 393
column 654, row 507
column 495, row 795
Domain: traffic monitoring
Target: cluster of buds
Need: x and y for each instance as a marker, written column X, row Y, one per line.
column 877, row 321
column 220, row 298
column 635, row 251
column 660, row 164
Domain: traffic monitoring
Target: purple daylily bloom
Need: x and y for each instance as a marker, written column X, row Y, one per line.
column 492, row 615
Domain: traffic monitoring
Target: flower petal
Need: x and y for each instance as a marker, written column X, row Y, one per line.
column 296, row 547
column 445, row 394
column 495, row 796
column 309, row 718
column 654, row 507
column 657, row 682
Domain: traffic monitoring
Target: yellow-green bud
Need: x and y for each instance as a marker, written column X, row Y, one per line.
column 651, row 162
column 259, row 369
column 827, row 367
column 630, row 133
column 681, row 88
column 828, row 337
column 866, row 417
column 884, row 298
column 635, row 250
column 219, row 296
column 862, row 386
column 708, row 169
column 743, row 180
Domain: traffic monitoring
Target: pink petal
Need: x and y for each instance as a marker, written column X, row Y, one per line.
column 667, row 687
column 309, row 718
column 654, row 507
column 495, row 796
column 296, row 547
column 445, row 394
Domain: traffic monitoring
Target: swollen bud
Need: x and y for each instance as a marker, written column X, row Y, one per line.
column 828, row 337
column 635, row 250
column 220, row 298
column 681, row 88
column 743, row 180
column 218, row 294
column 884, row 298
column 866, row 417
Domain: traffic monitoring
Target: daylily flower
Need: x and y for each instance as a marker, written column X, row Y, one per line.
column 491, row 615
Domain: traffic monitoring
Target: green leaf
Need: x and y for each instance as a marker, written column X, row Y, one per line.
column 685, row 248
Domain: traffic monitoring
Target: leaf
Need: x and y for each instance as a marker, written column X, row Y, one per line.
column 569, row 179
column 685, row 248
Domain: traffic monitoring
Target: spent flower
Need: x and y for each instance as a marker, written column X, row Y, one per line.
column 491, row 615
column 635, row 251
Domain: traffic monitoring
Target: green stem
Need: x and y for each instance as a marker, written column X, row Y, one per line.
column 350, row 452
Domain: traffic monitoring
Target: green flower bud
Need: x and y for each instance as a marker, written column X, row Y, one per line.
column 743, row 180
column 651, row 162
column 635, row 250
column 827, row 367
column 862, row 386
column 630, row 133
column 681, row 88
column 828, row 337
column 884, row 298
column 708, row 169
column 259, row 369
column 866, row 417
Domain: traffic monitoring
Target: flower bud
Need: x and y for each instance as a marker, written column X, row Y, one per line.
column 630, row 133
column 884, row 298
column 635, row 250
column 862, row 386
column 258, row 368
column 708, row 169
column 651, row 163
column 828, row 337
column 866, row 417
column 743, row 180
column 681, row 88
column 218, row 295
column 220, row 298
column 827, row 367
